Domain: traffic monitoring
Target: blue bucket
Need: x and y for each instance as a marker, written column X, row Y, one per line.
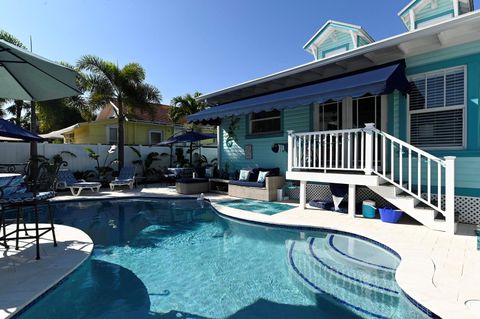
column 368, row 209
column 390, row 215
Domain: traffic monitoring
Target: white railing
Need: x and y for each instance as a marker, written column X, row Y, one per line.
column 370, row 150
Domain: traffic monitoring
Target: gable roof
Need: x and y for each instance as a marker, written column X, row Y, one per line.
column 413, row 3
column 337, row 25
column 158, row 115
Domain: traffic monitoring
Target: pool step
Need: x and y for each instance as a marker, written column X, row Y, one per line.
column 365, row 277
column 325, row 281
column 357, row 252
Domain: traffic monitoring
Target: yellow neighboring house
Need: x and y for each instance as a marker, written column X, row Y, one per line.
column 141, row 128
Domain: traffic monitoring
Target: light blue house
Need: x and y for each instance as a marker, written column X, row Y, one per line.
column 396, row 119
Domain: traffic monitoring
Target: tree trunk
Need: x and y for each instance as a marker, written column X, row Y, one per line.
column 33, row 145
column 121, row 136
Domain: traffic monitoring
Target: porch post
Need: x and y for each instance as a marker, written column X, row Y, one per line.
column 303, row 194
column 290, row 150
column 369, row 148
column 351, row 200
column 450, row 194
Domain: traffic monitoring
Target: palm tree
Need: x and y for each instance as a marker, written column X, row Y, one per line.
column 124, row 87
column 185, row 105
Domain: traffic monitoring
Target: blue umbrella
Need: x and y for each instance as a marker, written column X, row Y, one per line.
column 9, row 129
column 187, row 137
column 191, row 137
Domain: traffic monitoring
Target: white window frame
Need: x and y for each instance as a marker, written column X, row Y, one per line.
column 150, row 136
column 378, row 104
column 444, row 108
column 320, row 113
column 108, row 134
column 250, row 121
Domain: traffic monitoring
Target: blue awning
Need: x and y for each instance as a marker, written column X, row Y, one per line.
column 383, row 80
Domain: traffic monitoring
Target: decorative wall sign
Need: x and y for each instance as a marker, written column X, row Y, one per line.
column 249, row 151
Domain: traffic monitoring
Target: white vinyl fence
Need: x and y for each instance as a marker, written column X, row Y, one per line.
column 19, row 152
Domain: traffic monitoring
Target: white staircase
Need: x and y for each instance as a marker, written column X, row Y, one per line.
column 418, row 183
column 411, row 205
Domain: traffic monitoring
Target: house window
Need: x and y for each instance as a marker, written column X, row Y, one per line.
column 330, row 116
column 265, row 122
column 155, row 137
column 436, row 103
column 112, row 134
column 367, row 110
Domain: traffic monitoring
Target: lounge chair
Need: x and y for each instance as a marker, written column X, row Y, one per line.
column 65, row 179
column 125, row 178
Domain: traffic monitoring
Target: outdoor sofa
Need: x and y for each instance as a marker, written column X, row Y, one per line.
column 266, row 191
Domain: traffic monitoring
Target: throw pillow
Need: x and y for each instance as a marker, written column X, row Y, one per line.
column 244, row 175
column 209, row 172
column 262, row 176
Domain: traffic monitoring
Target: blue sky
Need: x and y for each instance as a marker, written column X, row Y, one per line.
column 190, row 45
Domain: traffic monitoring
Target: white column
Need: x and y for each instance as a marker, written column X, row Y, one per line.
column 450, row 194
column 290, row 150
column 303, row 194
column 369, row 147
column 351, row 200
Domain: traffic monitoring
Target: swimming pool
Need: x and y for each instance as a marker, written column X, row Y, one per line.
column 179, row 259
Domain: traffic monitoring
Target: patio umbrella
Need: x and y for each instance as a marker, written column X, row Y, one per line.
column 8, row 129
column 186, row 137
column 27, row 76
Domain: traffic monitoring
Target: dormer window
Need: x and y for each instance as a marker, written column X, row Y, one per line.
column 422, row 13
column 334, row 38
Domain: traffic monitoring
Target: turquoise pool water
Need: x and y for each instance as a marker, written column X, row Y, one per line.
column 267, row 208
column 179, row 259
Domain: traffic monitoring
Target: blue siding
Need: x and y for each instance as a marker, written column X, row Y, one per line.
column 342, row 40
column 298, row 119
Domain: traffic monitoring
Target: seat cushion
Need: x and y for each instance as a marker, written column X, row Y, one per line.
column 247, row 184
column 27, row 197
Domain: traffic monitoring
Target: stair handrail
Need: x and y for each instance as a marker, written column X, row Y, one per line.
column 448, row 164
column 409, row 146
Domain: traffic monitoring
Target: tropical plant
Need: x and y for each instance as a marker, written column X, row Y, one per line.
column 181, row 161
column 124, row 87
column 105, row 169
column 148, row 171
column 185, row 105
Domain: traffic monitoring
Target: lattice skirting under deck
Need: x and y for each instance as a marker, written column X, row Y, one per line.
column 467, row 208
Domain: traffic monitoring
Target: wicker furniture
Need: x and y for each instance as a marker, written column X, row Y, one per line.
column 266, row 193
column 190, row 186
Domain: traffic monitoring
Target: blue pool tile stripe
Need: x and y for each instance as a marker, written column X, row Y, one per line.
column 314, row 286
column 312, row 252
column 331, row 244
column 419, row 306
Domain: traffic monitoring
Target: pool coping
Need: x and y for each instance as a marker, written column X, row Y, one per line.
column 414, row 275
column 31, row 279
column 413, row 285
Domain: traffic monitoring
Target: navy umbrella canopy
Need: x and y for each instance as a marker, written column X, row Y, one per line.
column 8, row 129
column 187, row 137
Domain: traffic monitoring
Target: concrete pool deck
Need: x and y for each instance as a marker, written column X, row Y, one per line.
column 23, row 279
column 440, row 271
